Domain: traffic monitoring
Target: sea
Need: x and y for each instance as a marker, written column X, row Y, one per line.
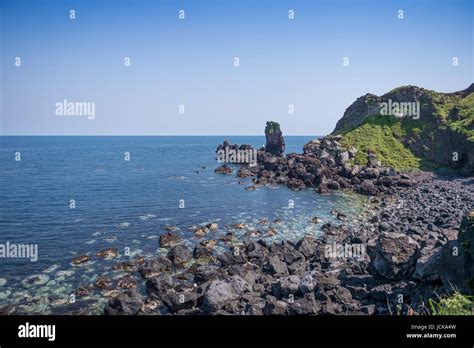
column 75, row 195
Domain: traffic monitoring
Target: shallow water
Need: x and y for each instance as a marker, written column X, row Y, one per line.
column 127, row 204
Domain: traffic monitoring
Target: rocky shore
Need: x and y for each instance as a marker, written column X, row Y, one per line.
column 409, row 248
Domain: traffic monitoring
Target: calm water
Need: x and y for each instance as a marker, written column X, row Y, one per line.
column 126, row 204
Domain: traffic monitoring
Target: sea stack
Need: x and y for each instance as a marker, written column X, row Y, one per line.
column 275, row 143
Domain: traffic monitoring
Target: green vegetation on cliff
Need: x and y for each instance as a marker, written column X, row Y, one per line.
column 441, row 134
column 381, row 135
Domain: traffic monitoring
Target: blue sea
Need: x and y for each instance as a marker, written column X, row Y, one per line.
column 127, row 204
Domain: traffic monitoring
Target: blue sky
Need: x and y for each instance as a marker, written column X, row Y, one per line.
column 190, row 62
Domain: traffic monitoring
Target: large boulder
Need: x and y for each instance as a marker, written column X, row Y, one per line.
column 159, row 285
column 218, row 294
column 428, row 265
column 394, row 255
column 275, row 143
column 126, row 303
column 180, row 254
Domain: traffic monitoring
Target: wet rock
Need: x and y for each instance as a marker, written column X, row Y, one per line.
column 127, row 303
column 35, row 280
column 152, row 268
column 169, row 239
column 206, row 273
column 159, row 285
column 170, row 228
column 296, row 184
column 129, row 266
column 107, row 253
column 103, row 283
column 224, row 169
column 180, row 254
column 204, row 249
column 201, row 231
column 212, row 226
column 151, row 306
column 240, row 226
column 126, row 282
column 77, row 260
column 83, row 291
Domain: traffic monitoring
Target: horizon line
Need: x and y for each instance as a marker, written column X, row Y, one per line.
column 152, row 135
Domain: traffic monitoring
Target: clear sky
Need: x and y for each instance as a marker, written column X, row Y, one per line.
column 191, row 62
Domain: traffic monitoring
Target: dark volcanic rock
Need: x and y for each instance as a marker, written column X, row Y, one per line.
column 159, row 285
column 153, row 267
column 275, row 143
column 276, row 266
column 127, row 303
column 180, row 254
column 457, row 259
column 217, row 295
column 394, row 255
column 169, row 239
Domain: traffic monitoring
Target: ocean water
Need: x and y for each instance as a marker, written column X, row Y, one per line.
column 127, row 204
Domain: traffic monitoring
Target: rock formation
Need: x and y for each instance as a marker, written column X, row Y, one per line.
column 275, row 143
column 441, row 131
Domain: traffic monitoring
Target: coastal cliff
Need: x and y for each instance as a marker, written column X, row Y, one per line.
column 412, row 127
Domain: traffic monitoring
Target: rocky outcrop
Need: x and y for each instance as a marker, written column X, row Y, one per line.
column 324, row 165
column 441, row 131
column 275, row 143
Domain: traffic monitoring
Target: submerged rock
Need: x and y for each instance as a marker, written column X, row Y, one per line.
column 35, row 280
column 107, row 253
column 80, row 259
column 223, row 170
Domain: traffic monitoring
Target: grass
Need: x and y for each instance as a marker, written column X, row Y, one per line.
column 382, row 135
column 456, row 304
column 390, row 138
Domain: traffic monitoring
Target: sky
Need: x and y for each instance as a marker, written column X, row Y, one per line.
column 190, row 62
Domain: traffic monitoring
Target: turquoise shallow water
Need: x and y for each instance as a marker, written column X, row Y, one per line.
column 127, row 204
